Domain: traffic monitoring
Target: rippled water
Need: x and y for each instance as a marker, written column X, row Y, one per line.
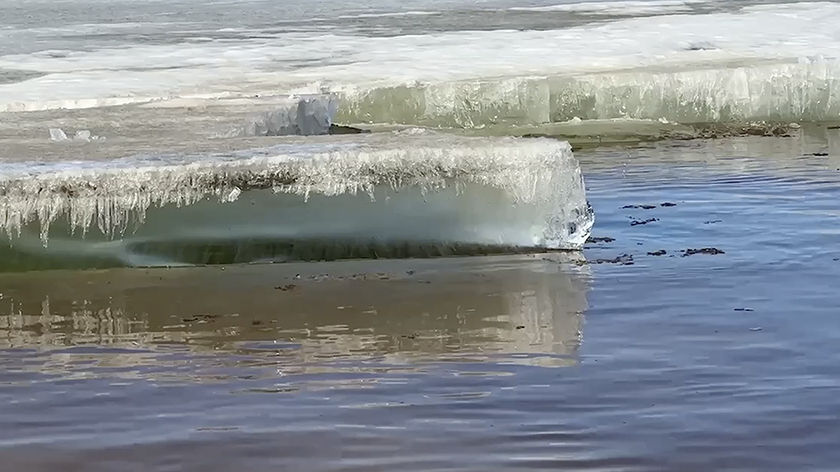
column 627, row 361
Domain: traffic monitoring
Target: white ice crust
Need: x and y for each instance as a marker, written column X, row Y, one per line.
column 768, row 61
column 620, row 7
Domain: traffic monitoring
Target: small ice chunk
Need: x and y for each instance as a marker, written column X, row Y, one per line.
column 411, row 131
column 304, row 115
column 315, row 114
column 56, row 134
column 233, row 195
column 83, row 135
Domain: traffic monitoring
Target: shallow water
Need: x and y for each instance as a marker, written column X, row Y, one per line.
column 701, row 362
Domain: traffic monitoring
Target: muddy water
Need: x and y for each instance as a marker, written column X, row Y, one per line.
column 696, row 335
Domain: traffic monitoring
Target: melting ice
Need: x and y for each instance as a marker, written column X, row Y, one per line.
column 366, row 189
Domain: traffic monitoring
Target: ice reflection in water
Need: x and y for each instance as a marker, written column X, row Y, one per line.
column 319, row 321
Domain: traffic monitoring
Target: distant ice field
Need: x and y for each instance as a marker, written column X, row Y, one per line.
column 690, row 64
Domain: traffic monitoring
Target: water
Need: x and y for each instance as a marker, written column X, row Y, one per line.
column 691, row 328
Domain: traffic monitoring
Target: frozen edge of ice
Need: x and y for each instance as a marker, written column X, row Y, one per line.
column 113, row 195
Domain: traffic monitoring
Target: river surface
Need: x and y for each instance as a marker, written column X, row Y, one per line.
column 616, row 359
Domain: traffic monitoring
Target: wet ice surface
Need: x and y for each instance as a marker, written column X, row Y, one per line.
column 394, row 189
column 703, row 362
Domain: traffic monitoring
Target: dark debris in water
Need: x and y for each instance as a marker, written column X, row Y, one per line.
column 732, row 130
column 624, row 259
column 286, row 288
column 539, row 135
column 603, row 239
column 819, row 154
column 705, row 250
column 357, row 276
column 643, row 207
column 340, row 129
column 744, row 309
column 643, row 222
column 660, row 252
column 711, row 222
column 199, row 318
column 721, row 130
column 648, row 207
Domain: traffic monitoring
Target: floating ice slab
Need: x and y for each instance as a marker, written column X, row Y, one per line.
column 381, row 189
column 752, row 91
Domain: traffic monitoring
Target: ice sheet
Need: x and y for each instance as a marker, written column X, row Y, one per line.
column 695, row 67
column 627, row 7
column 426, row 187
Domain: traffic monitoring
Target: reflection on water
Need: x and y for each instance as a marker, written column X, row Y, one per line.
column 270, row 320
